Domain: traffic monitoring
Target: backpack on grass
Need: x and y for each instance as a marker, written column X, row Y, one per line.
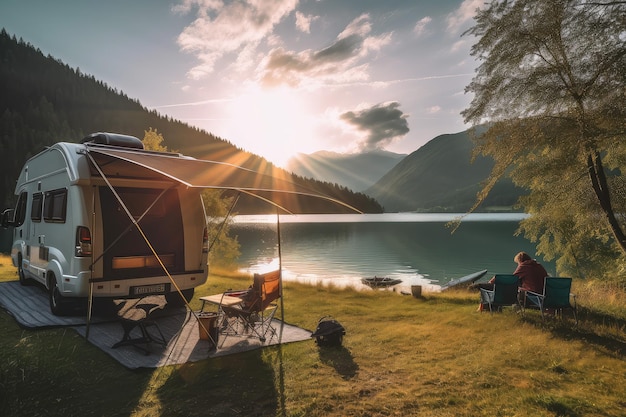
column 328, row 332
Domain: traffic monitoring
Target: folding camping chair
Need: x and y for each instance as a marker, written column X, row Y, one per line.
column 556, row 296
column 504, row 293
column 256, row 312
column 138, row 314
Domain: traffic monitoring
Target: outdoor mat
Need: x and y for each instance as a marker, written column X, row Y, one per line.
column 30, row 307
column 182, row 333
column 179, row 327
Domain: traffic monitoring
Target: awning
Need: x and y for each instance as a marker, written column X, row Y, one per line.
column 128, row 164
column 197, row 173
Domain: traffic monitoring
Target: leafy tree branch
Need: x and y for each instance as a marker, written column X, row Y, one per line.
column 551, row 87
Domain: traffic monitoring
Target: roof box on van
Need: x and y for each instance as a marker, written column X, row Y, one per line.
column 113, row 139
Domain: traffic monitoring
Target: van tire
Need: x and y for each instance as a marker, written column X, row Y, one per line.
column 58, row 305
column 174, row 300
column 20, row 272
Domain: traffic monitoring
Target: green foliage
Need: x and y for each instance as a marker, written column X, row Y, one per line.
column 153, row 140
column 223, row 249
column 550, row 87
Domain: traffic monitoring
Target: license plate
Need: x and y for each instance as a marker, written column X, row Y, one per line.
column 148, row 289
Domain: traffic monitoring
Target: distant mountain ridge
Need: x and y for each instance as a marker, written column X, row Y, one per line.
column 440, row 177
column 355, row 171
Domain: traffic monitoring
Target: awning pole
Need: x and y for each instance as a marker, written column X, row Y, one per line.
column 89, row 309
column 280, row 277
column 93, row 237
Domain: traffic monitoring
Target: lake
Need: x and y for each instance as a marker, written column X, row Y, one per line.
column 416, row 247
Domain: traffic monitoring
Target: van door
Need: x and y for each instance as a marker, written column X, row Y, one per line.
column 158, row 212
column 20, row 233
column 33, row 224
column 54, row 214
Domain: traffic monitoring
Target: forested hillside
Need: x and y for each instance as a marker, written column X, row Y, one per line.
column 439, row 177
column 43, row 101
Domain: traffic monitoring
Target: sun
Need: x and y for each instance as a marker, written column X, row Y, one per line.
column 275, row 123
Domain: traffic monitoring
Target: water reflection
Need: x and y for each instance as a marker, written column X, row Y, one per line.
column 417, row 248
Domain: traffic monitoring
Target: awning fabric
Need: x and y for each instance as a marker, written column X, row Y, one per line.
column 197, row 173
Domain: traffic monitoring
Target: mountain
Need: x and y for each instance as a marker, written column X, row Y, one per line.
column 43, row 101
column 355, row 171
column 439, row 177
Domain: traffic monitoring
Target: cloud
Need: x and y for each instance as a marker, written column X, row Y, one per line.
column 465, row 13
column 379, row 84
column 382, row 123
column 420, row 26
column 339, row 62
column 195, row 103
column 461, row 45
column 221, row 29
column 303, row 22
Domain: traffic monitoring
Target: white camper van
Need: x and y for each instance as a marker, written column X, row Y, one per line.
column 87, row 216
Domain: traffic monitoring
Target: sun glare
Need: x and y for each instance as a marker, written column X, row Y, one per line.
column 274, row 123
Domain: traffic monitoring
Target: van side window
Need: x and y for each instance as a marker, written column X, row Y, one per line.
column 35, row 210
column 55, row 206
column 20, row 209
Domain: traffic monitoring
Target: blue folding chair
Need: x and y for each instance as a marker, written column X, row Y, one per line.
column 504, row 293
column 556, row 296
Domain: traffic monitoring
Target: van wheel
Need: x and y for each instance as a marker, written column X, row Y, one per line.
column 174, row 300
column 20, row 271
column 58, row 305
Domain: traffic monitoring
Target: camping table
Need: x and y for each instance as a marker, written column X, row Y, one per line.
column 220, row 300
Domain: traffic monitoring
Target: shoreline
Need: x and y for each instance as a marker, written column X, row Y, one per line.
column 351, row 281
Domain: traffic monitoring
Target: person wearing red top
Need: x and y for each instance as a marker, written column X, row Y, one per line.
column 531, row 275
column 530, row 272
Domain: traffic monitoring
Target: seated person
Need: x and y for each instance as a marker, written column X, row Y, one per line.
column 531, row 275
column 530, row 272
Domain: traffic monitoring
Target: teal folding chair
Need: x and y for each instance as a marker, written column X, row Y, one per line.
column 556, row 296
column 504, row 293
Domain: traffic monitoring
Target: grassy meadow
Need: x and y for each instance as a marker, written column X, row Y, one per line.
column 401, row 356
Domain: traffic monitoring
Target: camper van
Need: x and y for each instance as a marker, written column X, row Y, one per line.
column 100, row 219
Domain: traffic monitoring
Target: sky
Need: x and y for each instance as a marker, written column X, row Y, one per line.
column 273, row 77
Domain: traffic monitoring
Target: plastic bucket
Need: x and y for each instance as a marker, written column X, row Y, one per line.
column 416, row 290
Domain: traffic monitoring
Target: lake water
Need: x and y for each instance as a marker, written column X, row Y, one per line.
column 415, row 247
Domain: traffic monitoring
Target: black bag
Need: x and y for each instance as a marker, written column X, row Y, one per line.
column 328, row 332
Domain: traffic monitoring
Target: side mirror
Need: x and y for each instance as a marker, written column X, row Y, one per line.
column 7, row 218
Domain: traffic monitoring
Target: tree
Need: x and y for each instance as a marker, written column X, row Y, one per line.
column 224, row 249
column 551, row 86
column 153, row 140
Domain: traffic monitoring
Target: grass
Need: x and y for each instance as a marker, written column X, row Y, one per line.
column 401, row 356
